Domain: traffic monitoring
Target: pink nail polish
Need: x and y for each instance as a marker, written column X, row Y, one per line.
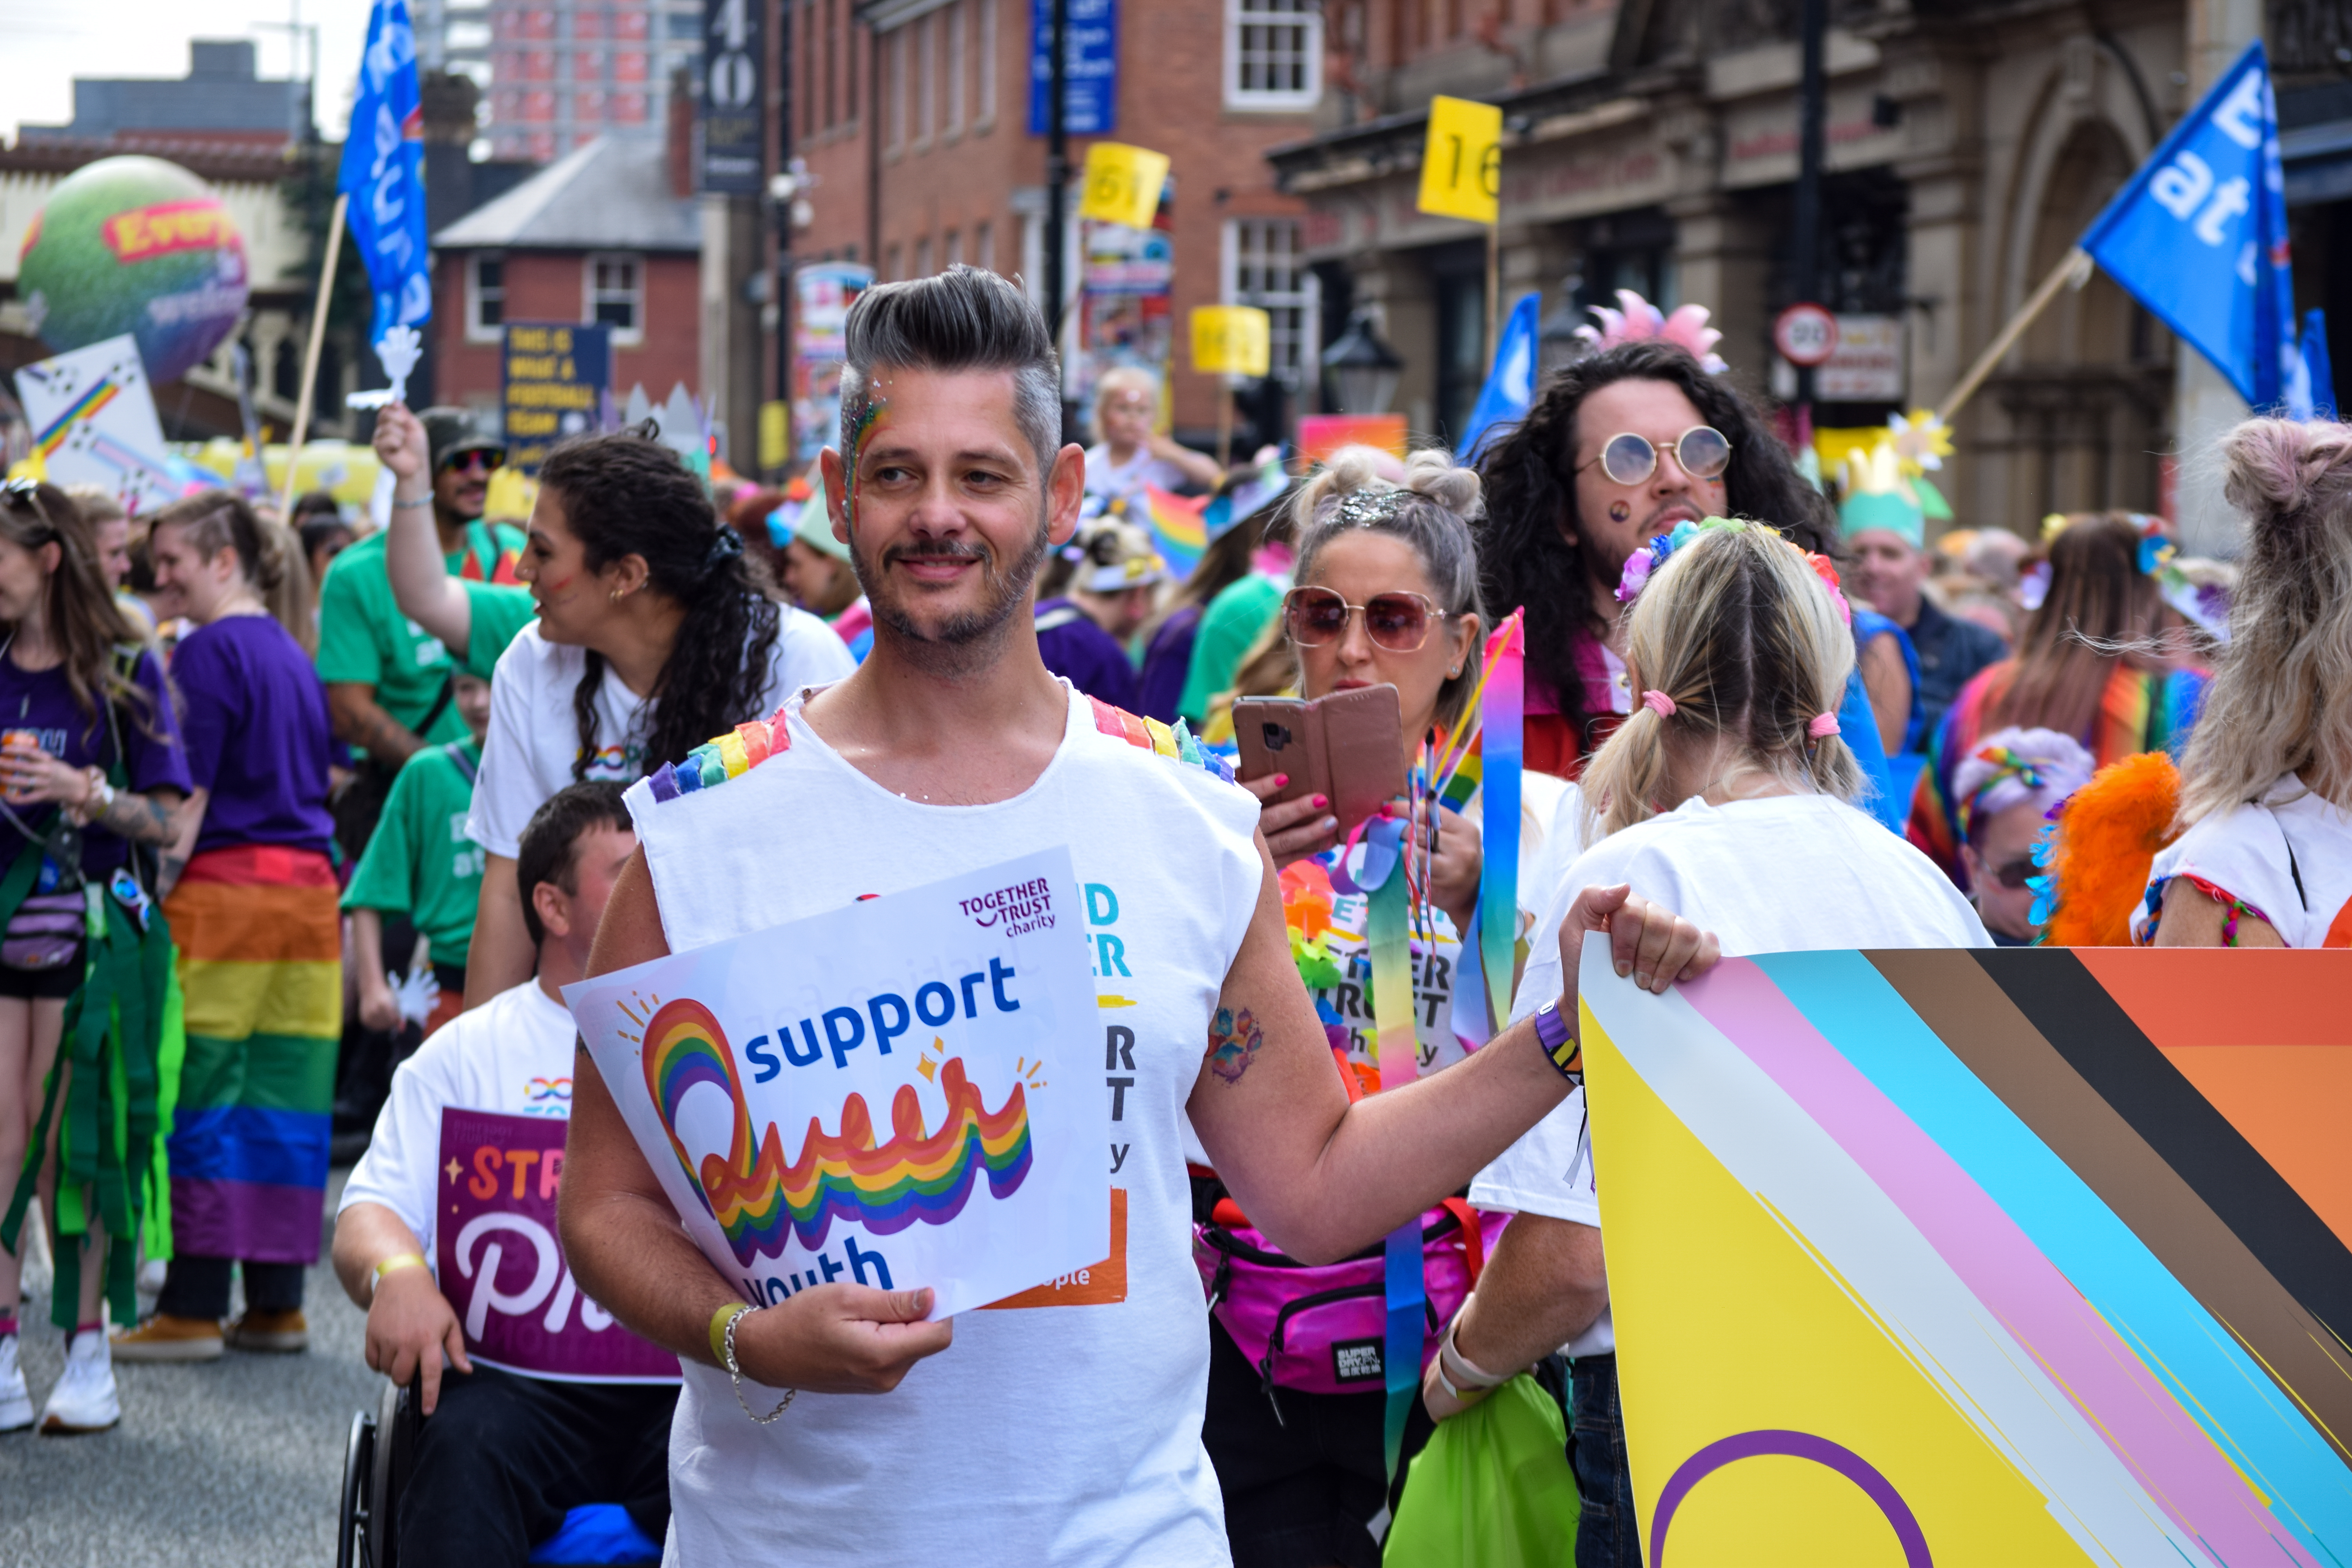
column 1320, row 802
column 1281, row 781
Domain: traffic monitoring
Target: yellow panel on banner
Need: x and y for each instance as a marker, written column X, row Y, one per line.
column 1122, row 183
column 1232, row 340
column 1680, row 1228
column 1462, row 162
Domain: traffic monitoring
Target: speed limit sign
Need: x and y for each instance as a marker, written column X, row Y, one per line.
column 1805, row 334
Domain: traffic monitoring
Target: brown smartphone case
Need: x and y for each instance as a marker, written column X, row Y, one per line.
column 1348, row 746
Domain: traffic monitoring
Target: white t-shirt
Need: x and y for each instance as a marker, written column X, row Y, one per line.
column 1061, row 1435
column 1788, row 874
column 512, row 1053
column 2288, row 856
column 534, row 739
column 1112, row 481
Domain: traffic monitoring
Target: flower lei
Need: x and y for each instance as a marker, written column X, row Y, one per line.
column 1644, row 562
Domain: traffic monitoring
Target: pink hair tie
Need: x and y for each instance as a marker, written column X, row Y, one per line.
column 1658, row 702
column 1823, row 726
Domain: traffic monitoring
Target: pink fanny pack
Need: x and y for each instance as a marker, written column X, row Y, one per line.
column 1321, row 1328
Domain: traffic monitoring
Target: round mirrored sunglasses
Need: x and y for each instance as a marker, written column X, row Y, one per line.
column 1399, row 622
column 1702, row 451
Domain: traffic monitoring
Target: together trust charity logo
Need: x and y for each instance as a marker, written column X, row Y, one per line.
column 1015, row 910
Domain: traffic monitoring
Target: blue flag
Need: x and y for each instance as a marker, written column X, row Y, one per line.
column 1512, row 386
column 2198, row 236
column 2316, row 364
column 383, row 173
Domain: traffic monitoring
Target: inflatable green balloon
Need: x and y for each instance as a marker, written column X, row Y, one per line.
column 139, row 245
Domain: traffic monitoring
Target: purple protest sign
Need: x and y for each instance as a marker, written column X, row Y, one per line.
column 501, row 1264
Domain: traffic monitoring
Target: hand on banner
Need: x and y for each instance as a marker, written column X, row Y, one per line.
column 840, row 1339
column 1646, row 941
column 409, row 1324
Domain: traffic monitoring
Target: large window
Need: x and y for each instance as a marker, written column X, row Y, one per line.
column 1262, row 267
column 956, row 70
column 617, row 296
column 984, row 109
column 1274, row 54
column 485, row 299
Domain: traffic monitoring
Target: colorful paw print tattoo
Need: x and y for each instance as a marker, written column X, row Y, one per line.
column 1233, row 1042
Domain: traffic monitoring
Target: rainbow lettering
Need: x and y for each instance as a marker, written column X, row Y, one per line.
column 756, row 1197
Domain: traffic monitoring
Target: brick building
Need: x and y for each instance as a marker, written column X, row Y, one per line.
column 601, row 235
column 562, row 72
column 915, row 116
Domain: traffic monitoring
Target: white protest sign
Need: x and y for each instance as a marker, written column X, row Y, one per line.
column 93, row 419
column 961, row 1015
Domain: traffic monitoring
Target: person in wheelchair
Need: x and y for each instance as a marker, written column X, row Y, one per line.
column 448, row 1236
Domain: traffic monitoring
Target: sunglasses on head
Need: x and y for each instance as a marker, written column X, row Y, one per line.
column 1399, row 622
column 466, row 462
column 1702, row 451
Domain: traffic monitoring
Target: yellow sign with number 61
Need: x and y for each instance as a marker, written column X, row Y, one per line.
column 1122, row 183
column 1232, row 340
column 1462, row 165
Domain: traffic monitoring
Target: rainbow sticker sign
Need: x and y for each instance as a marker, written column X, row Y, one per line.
column 747, row 1071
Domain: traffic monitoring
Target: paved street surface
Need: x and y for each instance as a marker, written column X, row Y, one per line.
column 233, row 1462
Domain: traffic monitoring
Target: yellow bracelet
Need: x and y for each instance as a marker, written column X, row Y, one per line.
column 719, row 1322
column 398, row 1261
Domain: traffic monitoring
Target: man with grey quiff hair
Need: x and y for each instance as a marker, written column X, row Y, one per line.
column 965, row 318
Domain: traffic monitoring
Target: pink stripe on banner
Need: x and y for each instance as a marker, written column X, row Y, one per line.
column 2136, row 1416
column 264, row 1222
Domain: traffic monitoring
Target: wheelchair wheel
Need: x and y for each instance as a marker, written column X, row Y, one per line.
column 388, row 1462
column 359, row 1469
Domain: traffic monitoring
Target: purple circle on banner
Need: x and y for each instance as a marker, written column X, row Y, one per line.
column 1796, row 1446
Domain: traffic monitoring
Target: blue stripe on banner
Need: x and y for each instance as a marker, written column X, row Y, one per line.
column 246, row 1144
column 1845, row 997
column 1401, row 1350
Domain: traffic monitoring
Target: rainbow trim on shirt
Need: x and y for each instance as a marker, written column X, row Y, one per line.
column 728, row 756
column 1152, row 735
column 757, row 1196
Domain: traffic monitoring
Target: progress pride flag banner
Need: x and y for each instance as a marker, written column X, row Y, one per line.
column 501, row 1264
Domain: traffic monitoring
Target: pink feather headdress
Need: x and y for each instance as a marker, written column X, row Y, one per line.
column 1640, row 320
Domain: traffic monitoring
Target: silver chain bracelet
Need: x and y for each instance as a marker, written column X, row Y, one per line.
column 736, row 1372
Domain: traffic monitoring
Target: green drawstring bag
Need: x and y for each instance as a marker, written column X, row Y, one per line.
column 1493, row 1489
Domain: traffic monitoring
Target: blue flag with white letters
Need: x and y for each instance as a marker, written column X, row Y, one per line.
column 2198, row 236
column 383, row 173
column 1512, row 385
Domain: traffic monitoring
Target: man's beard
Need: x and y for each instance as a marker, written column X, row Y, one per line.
column 967, row 640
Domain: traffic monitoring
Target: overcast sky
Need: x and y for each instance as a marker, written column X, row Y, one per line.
column 47, row 42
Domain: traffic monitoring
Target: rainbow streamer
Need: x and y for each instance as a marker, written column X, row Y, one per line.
column 1501, row 714
column 1396, row 1050
column 1177, row 528
column 757, row 1198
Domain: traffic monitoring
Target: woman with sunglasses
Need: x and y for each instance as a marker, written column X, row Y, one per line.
column 650, row 638
column 2007, row 789
column 1386, row 594
column 92, row 765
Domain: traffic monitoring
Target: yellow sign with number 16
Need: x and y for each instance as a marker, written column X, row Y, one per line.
column 1462, row 165
column 1122, row 183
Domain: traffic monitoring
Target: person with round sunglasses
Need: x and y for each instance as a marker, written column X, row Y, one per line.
column 1618, row 447
column 2007, row 788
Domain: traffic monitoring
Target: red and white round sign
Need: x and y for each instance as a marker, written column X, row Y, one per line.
column 1805, row 334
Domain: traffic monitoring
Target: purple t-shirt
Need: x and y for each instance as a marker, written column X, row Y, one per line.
column 1074, row 647
column 42, row 702
column 258, row 737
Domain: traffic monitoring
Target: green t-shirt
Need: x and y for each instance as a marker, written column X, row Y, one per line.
column 501, row 612
column 420, row 863
column 364, row 640
column 1234, row 620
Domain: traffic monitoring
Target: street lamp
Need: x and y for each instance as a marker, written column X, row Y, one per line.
column 1364, row 367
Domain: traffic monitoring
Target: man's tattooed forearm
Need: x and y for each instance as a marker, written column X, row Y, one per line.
column 137, row 818
column 1233, row 1042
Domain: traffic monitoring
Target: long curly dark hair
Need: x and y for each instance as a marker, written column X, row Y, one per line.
column 1529, row 472
column 626, row 494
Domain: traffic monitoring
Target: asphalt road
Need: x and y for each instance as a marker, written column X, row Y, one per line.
column 236, row 1461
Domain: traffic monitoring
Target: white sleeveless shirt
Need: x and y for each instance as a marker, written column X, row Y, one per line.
column 2287, row 856
column 1046, row 1435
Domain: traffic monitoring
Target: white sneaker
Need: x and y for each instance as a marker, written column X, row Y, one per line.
column 15, row 1401
column 84, row 1398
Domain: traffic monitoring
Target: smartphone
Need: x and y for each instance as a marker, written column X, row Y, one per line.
column 1348, row 746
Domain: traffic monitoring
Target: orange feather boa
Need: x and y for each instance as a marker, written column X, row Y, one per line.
column 2107, row 838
